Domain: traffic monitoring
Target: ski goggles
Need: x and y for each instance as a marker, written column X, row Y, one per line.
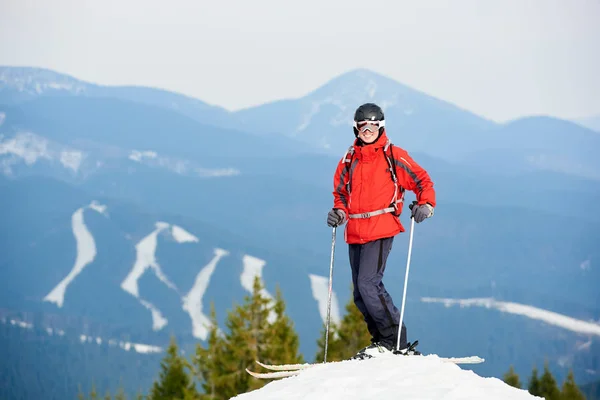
column 371, row 126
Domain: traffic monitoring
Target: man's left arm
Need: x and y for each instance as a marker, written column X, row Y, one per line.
column 415, row 178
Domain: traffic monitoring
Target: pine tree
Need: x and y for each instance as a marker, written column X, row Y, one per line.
column 209, row 360
column 245, row 342
column 173, row 380
column 80, row 394
column 120, row 393
column 283, row 341
column 512, row 378
column 93, row 392
column 345, row 340
column 548, row 387
column 570, row 390
column 534, row 383
column 250, row 336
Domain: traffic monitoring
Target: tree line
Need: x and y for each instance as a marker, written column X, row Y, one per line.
column 546, row 386
column 216, row 371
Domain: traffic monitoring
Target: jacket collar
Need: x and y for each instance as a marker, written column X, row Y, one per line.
column 369, row 151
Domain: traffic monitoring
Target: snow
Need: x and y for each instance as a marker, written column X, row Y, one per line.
column 387, row 378
column 179, row 166
column 586, row 265
column 146, row 258
column 86, row 252
column 71, row 159
column 371, row 88
column 21, row 324
column 585, row 346
column 253, row 267
column 320, row 292
column 549, row 317
column 139, row 347
column 137, row 155
column 2, row 118
column 98, row 207
column 158, row 320
column 181, row 235
column 27, row 146
column 38, row 81
column 32, row 148
column 192, row 302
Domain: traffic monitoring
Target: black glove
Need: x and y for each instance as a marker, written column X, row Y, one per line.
column 421, row 212
column 336, row 217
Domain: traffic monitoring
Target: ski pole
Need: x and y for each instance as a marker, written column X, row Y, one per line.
column 330, row 290
column 412, row 225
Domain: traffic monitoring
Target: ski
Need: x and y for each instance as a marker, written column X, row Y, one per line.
column 286, row 367
column 463, row 360
column 273, row 375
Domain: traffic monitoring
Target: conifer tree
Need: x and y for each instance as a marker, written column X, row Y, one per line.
column 512, row 378
column 548, row 387
column 244, row 342
column 250, row 336
column 283, row 341
column 120, row 393
column 209, row 360
column 173, row 380
column 346, row 339
column 93, row 392
column 80, row 394
column 534, row 384
column 570, row 390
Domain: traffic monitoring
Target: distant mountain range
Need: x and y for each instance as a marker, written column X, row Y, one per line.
column 127, row 211
column 592, row 122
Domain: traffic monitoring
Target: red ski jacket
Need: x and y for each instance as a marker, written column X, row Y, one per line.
column 371, row 188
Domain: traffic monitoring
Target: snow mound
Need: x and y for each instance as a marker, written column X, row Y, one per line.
column 387, row 378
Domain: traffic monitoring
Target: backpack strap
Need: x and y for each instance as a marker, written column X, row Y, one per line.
column 397, row 189
column 348, row 161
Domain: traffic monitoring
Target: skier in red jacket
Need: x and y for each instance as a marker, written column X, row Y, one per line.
column 369, row 185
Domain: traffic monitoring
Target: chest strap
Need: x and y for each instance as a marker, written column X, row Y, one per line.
column 377, row 212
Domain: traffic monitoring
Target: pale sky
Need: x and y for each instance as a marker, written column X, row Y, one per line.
column 500, row 59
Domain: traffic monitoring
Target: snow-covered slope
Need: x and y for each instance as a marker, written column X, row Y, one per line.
column 394, row 377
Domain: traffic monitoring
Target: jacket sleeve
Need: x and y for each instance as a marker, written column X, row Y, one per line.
column 413, row 177
column 340, row 192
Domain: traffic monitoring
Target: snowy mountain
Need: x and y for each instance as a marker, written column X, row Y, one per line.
column 424, row 124
column 21, row 84
column 409, row 378
column 125, row 218
column 324, row 116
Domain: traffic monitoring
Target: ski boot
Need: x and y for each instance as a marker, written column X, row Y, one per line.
column 375, row 349
column 409, row 350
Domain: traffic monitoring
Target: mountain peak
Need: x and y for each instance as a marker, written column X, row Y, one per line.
column 362, row 85
column 35, row 81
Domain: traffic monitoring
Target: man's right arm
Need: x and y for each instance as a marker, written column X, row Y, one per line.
column 340, row 191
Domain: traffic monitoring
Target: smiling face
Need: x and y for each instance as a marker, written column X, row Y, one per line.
column 368, row 131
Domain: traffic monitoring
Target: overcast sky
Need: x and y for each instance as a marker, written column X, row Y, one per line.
column 501, row 59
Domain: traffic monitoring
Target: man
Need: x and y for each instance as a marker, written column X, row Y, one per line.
column 369, row 186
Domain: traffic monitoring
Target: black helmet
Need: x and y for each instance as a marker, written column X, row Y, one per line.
column 369, row 112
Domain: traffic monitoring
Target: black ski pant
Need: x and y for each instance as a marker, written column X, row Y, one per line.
column 368, row 263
